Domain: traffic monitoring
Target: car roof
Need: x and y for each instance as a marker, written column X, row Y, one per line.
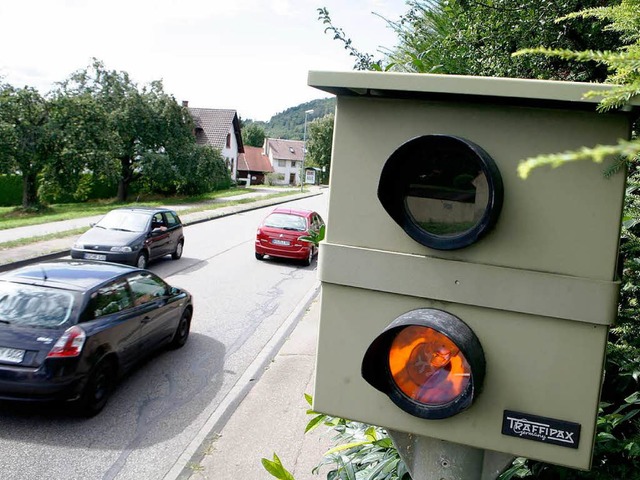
column 142, row 209
column 293, row 211
column 77, row 275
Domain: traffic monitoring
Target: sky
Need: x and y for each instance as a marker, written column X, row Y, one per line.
column 252, row 56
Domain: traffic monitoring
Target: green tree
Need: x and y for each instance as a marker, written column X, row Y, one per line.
column 145, row 123
column 319, row 145
column 81, row 143
column 253, row 135
column 192, row 170
column 26, row 138
column 467, row 37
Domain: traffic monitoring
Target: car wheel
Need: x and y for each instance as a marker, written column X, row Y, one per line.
column 98, row 389
column 178, row 251
column 143, row 260
column 307, row 261
column 259, row 256
column 182, row 332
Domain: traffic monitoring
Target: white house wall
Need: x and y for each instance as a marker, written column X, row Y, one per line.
column 231, row 154
column 287, row 170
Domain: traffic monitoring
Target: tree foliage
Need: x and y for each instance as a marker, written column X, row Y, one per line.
column 26, row 137
column 253, row 135
column 145, row 125
column 80, row 144
column 478, row 38
column 467, row 37
column 289, row 124
column 319, row 145
column 624, row 67
column 100, row 126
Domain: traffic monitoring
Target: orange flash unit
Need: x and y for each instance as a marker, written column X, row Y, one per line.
column 429, row 362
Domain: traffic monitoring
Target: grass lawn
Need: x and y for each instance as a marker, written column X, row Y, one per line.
column 12, row 217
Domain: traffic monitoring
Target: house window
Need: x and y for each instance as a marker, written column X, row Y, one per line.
column 293, row 163
column 228, row 140
column 282, row 163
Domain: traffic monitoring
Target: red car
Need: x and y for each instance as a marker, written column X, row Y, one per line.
column 281, row 234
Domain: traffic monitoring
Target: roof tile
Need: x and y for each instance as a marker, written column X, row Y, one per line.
column 286, row 149
column 213, row 125
column 254, row 160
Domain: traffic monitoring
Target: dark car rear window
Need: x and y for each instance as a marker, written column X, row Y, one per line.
column 33, row 306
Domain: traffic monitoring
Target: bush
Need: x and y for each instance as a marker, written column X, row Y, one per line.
column 10, row 190
column 89, row 187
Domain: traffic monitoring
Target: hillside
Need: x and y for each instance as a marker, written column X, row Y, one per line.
column 290, row 123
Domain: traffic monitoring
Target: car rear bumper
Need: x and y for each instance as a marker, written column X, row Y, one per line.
column 292, row 252
column 31, row 385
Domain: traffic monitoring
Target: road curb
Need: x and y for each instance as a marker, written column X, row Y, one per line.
column 28, row 261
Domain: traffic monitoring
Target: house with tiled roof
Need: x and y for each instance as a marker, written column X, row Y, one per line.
column 219, row 128
column 286, row 158
column 253, row 165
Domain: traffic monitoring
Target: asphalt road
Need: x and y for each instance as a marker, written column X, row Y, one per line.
column 160, row 409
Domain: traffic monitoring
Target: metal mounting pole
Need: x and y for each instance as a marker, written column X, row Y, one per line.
column 433, row 459
column 304, row 149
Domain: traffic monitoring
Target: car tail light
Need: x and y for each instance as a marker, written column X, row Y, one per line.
column 69, row 344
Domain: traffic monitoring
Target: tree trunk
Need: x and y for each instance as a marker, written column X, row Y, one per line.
column 29, row 190
column 123, row 190
column 125, row 179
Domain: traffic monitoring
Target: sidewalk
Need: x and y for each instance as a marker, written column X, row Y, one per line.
column 271, row 419
column 13, row 257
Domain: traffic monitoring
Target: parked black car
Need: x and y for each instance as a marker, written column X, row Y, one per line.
column 133, row 236
column 69, row 328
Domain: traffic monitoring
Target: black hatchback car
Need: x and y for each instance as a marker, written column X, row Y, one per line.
column 133, row 236
column 68, row 328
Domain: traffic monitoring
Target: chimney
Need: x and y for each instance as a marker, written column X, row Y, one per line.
column 185, row 103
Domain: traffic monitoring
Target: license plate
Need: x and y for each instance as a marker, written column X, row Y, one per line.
column 280, row 242
column 94, row 256
column 11, row 355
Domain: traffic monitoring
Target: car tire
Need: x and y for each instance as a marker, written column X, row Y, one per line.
column 182, row 331
column 259, row 256
column 99, row 386
column 142, row 260
column 178, row 251
column 307, row 261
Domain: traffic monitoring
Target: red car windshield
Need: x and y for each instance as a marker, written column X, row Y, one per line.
column 286, row 222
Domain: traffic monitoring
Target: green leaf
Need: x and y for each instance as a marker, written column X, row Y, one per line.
column 276, row 469
column 604, row 436
column 370, row 434
column 314, row 422
column 346, row 446
column 633, row 398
